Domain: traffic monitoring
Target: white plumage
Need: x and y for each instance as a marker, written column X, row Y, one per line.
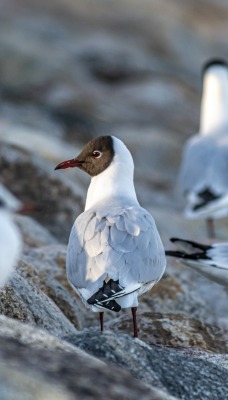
column 10, row 239
column 120, row 243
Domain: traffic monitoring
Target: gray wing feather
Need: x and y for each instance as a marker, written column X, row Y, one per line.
column 90, row 230
column 116, row 235
column 76, row 257
column 131, row 227
column 119, row 243
column 100, row 224
column 120, row 224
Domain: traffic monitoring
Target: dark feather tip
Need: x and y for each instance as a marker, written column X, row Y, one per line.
column 214, row 61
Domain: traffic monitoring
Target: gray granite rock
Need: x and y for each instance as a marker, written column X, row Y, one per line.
column 173, row 330
column 26, row 385
column 45, row 268
column 75, row 374
column 124, row 60
column 178, row 373
column 34, row 234
column 32, row 335
column 23, row 301
column 32, row 178
column 38, row 338
column 184, row 292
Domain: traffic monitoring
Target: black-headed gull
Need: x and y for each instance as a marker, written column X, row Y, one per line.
column 114, row 252
column 10, row 238
column 203, row 178
column 209, row 260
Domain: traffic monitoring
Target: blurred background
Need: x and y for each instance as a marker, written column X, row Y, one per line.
column 74, row 69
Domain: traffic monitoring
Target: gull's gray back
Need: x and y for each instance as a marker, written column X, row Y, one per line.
column 121, row 243
column 205, row 164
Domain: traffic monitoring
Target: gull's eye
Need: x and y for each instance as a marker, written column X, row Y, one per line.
column 96, row 154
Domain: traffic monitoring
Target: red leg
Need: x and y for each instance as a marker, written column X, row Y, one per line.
column 101, row 320
column 133, row 310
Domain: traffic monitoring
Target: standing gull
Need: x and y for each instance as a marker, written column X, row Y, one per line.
column 203, row 178
column 114, row 252
column 10, row 238
column 209, row 260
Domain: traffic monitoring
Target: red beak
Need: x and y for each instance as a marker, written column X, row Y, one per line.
column 69, row 164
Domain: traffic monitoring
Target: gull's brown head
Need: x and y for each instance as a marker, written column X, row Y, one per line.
column 96, row 156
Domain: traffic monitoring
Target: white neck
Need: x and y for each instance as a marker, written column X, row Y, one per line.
column 214, row 105
column 115, row 182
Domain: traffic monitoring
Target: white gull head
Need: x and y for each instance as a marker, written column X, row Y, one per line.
column 214, row 105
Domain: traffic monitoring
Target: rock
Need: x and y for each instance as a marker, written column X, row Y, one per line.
column 15, row 384
column 175, row 331
column 34, row 234
column 23, row 301
column 221, row 360
column 45, row 269
column 205, row 300
column 33, row 179
column 125, row 58
column 33, row 336
column 30, row 139
column 30, row 118
column 180, row 374
column 76, row 374
column 172, row 294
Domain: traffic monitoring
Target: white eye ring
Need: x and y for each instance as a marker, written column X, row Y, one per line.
column 97, row 154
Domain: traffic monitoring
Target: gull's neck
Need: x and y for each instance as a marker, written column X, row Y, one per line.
column 115, row 182
column 214, row 105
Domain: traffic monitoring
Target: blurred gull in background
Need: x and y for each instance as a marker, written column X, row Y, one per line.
column 203, row 178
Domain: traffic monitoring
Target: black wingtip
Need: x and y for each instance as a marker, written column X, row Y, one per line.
column 111, row 305
column 170, row 253
column 203, row 247
column 104, row 296
column 173, row 240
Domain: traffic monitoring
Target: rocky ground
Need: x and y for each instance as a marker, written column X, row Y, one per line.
column 70, row 71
